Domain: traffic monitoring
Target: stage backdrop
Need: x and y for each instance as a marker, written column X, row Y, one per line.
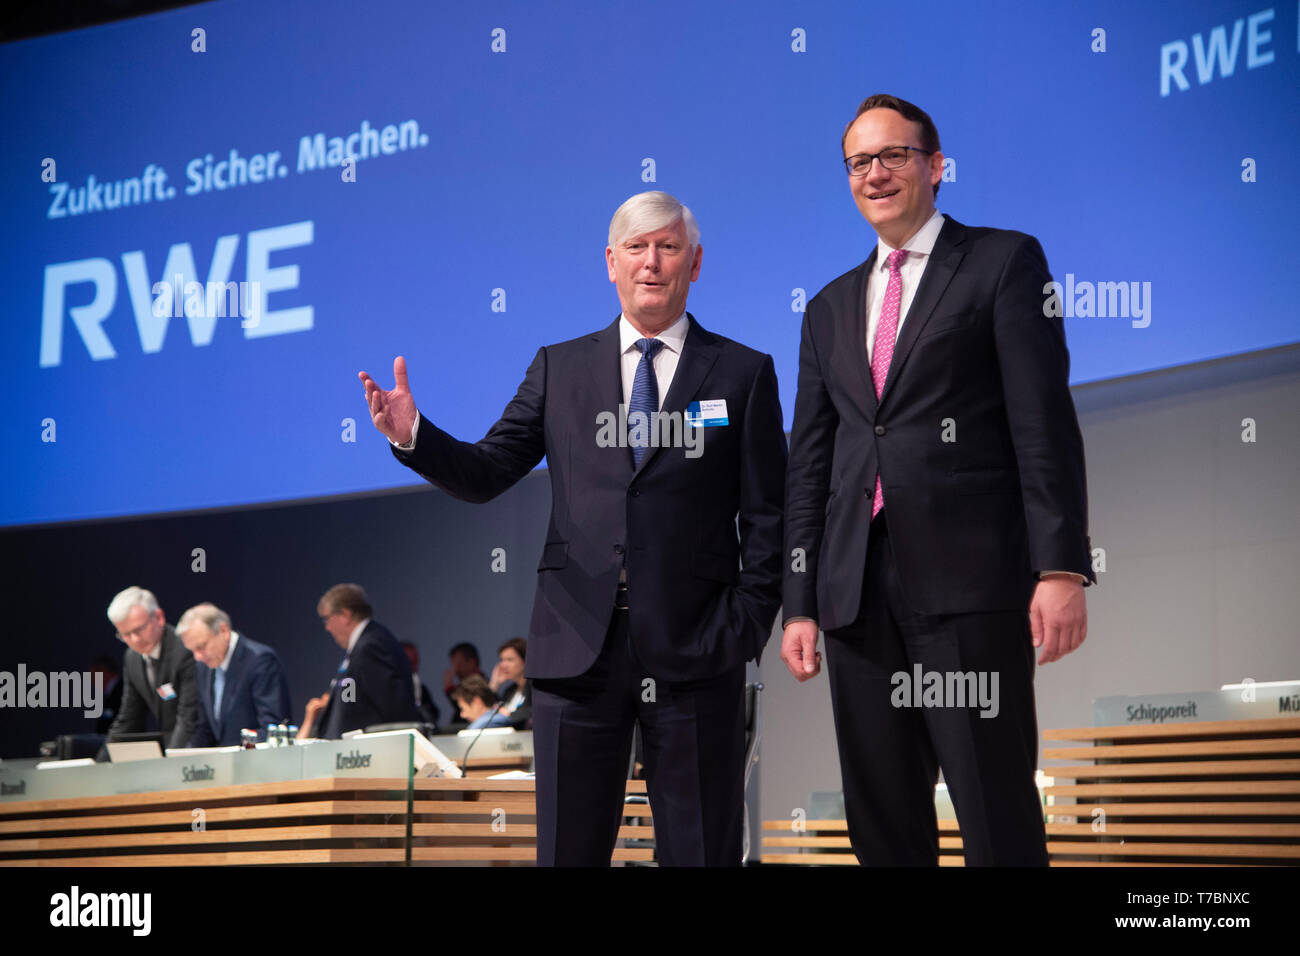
column 358, row 181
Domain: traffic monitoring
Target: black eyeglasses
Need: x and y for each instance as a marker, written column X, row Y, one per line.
column 892, row 157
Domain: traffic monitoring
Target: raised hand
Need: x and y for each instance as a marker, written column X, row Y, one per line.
column 393, row 412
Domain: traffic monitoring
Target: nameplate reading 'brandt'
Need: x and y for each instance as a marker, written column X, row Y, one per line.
column 353, row 760
column 656, row 430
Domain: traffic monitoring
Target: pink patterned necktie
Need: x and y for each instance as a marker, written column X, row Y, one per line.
column 882, row 353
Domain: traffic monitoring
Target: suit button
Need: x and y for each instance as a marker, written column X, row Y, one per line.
column 635, row 492
column 880, row 429
column 618, row 549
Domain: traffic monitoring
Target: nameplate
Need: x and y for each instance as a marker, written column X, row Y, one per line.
column 1247, row 701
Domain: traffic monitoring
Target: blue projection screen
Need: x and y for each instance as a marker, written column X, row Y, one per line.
column 437, row 181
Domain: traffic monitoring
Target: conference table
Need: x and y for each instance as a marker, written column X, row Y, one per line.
column 358, row 801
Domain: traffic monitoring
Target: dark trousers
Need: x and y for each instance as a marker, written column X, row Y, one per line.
column 890, row 755
column 693, row 741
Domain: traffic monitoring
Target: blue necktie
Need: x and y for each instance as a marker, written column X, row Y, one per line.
column 218, row 685
column 645, row 395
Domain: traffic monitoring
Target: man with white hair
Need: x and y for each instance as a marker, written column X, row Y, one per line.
column 660, row 574
column 158, row 670
column 241, row 683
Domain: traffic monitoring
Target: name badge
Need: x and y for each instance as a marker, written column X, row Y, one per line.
column 167, row 692
column 707, row 414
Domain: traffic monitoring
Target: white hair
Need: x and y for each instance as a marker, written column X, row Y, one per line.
column 211, row 615
column 649, row 212
column 133, row 597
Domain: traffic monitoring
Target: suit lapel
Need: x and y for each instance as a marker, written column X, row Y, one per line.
column 698, row 355
column 944, row 259
column 234, row 675
column 203, row 685
column 858, row 335
column 142, row 680
column 607, row 380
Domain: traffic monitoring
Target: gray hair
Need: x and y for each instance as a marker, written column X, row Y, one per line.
column 125, row 601
column 211, row 615
column 648, row 212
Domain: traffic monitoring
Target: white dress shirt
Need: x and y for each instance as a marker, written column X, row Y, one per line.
column 356, row 634
column 230, row 652
column 665, row 360
column 910, row 271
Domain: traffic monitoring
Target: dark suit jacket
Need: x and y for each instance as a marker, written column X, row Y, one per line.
column 702, row 596
column 383, row 688
column 971, row 521
column 256, row 694
column 177, row 717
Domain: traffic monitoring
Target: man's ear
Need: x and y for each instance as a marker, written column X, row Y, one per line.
column 609, row 263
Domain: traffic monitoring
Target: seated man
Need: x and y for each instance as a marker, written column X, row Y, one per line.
column 423, row 699
column 373, row 685
column 241, row 683
column 159, row 671
column 478, row 705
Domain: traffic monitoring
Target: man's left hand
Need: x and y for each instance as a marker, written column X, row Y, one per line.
column 1058, row 616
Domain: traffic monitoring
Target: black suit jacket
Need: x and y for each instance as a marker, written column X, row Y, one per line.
column 700, row 536
column 256, row 694
column 383, row 689
column 971, row 520
column 177, row 717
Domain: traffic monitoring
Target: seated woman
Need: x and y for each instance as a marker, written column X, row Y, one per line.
column 510, row 685
column 478, row 704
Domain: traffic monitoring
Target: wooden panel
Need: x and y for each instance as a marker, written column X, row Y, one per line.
column 205, row 795
column 453, row 854
column 1209, row 728
column 1245, row 850
column 183, row 818
column 250, row 858
column 508, row 831
column 188, row 837
column 1267, row 745
column 1212, row 829
column 1245, row 788
column 1194, row 768
column 1243, row 808
column 78, row 831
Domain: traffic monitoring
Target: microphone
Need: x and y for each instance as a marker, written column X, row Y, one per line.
column 464, row 765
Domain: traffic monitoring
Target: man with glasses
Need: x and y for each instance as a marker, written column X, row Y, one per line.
column 373, row 684
column 936, row 507
column 159, row 671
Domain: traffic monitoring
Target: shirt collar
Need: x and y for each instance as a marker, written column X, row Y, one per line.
column 920, row 245
column 230, row 651
column 673, row 337
column 356, row 634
